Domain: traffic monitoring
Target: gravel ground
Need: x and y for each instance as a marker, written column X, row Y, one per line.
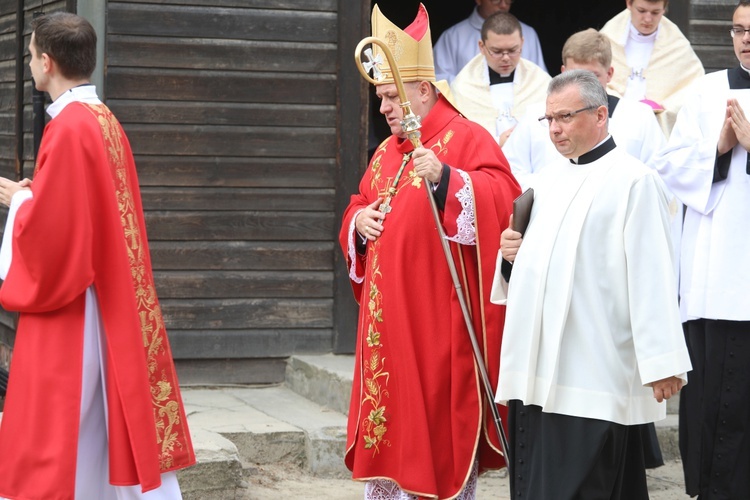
column 272, row 483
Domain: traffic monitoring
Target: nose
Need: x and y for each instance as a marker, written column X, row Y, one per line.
column 385, row 107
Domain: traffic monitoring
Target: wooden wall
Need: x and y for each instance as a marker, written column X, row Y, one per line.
column 710, row 21
column 8, row 98
column 230, row 106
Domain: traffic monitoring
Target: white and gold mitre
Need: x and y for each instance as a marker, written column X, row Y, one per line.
column 411, row 47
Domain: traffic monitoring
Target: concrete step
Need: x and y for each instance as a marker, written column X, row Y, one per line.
column 324, row 379
column 327, row 380
column 239, row 429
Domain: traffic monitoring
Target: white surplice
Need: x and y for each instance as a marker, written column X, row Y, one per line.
column 592, row 313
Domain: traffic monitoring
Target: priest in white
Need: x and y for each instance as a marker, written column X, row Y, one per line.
column 706, row 165
column 592, row 343
column 631, row 123
column 497, row 85
column 653, row 60
column 459, row 43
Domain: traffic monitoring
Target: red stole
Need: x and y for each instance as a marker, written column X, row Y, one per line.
column 84, row 226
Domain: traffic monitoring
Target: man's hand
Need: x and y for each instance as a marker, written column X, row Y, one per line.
column 740, row 125
column 427, row 165
column 369, row 222
column 8, row 188
column 510, row 242
column 666, row 388
column 727, row 137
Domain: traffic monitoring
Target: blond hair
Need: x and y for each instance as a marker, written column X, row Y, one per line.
column 588, row 46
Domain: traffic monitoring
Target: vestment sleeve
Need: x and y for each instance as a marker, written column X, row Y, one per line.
column 652, row 285
column 52, row 233
column 687, row 163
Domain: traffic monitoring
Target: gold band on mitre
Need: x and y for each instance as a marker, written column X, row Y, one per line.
column 411, row 49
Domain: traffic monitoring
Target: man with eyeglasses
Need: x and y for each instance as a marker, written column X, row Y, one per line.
column 706, row 164
column 497, row 85
column 592, row 344
column 458, row 44
column 653, row 60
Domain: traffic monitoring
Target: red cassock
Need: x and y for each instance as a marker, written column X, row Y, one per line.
column 84, row 226
column 417, row 405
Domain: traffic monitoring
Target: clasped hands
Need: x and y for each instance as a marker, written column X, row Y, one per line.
column 8, row 188
column 736, row 129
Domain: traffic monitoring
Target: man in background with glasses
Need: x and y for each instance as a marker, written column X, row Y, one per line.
column 593, row 344
column 497, row 85
column 458, row 44
column 653, row 60
column 706, row 165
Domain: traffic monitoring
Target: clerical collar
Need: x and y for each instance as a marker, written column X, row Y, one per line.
column 496, row 77
column 739, row 78
column 612, row 102
column 83, row 93
column 639, row 37
column 597, row 152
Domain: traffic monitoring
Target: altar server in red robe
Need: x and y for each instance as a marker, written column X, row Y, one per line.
column 418, row 418
column 93, row 408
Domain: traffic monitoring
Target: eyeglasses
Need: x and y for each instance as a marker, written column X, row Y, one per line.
column 738, row 31
column 498, row 2
column 564, row 117
column 502, row 53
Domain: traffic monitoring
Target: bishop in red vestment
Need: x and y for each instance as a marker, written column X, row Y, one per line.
column 79, row 251
column 418, row 415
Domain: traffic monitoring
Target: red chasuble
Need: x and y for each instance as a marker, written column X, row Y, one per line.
column 84, row 226
column 417, row 405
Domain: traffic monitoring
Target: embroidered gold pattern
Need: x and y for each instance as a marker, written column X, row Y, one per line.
column 374, row 374
column 163, row 396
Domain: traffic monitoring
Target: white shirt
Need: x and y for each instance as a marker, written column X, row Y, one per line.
column 460, row 43
column 638, row 49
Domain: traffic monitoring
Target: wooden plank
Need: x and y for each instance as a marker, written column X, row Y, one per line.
column 250, row 114
column 720, row 10
column 221, row 55
column 716, row 33
column 235, row 172
column 217, row 22
column 213, row 140
column 242, row 255
column 296, row 5
column 209, row 199
column 716, row 57
column 353, row 108
column 233, row 344
column 246, row 313
column 261, row 226
column 209, row 86
column 202, row 285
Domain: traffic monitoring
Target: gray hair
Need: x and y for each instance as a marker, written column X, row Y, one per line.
column 589, row 87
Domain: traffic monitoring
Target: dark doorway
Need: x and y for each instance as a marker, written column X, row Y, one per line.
column 553, row 21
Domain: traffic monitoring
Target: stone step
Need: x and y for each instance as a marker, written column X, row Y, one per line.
column 327, row 380
column 238, row 429
column 324, row 379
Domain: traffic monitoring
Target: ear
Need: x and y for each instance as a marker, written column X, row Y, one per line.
column 562, row 69
column 610, row 72
column 47, row 63
column 425, row 90
column 601, row 115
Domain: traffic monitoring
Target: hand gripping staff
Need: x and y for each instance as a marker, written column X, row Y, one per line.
column 411, row 125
